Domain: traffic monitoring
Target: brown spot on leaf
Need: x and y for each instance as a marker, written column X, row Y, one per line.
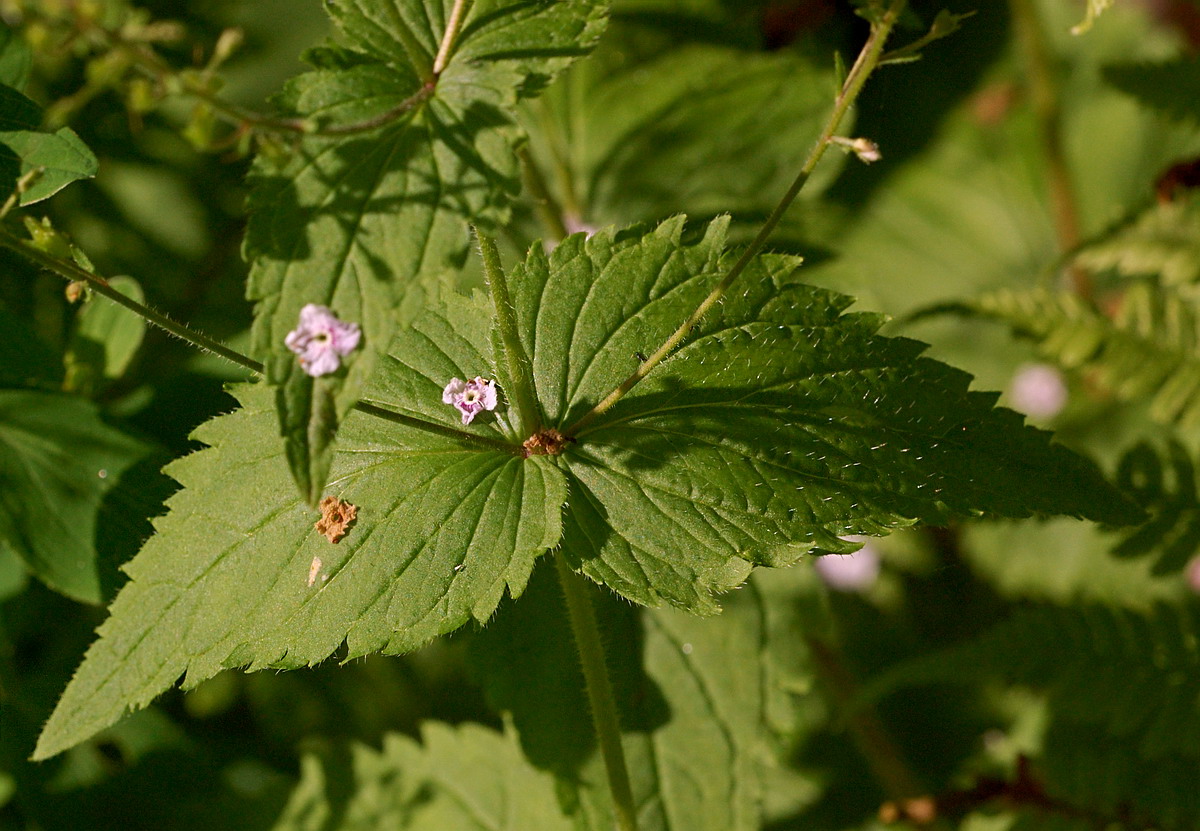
column 546, row 443
column 337, row 516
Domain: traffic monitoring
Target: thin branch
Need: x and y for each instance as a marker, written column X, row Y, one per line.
column 149, row 63
column 1045, row 98
column 868, row 60
column 101, row 286
column 73, row 272
column 881, row 752
column 379, row 411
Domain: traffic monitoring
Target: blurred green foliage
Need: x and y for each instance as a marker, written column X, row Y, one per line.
column 958, row 207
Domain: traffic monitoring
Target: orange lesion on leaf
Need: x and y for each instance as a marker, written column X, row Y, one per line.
column 337, row 516
column 548, row 442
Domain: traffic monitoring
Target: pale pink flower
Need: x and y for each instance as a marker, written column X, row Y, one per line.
column 1038, row 390
column 855, row 572
column 1192, row 573
column 321, row 340
column 470, row 397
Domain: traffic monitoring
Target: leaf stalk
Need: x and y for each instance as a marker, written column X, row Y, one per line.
column 864, row 66
column 599, row 690
column 453, row 27
column 523, row 395
column 73, row 272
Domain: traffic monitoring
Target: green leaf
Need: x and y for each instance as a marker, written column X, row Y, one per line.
column 58, row 464
column 25, row 359
column 1172, row 87
column 674, row 492
column 1145, row 352
column 945, row 24
column 237, row 576
column 1172, row 532
column 466, row 778
column 362, row 222
column 690, row 692
column 1163, row 240
column 1132, row 673
column 15, row 59
column 1082, row 765
column 61, row 157
column 105, row 338
column 701, row 130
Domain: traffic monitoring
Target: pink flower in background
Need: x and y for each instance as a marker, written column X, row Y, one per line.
column 1038, row 390
column 855, row 572
column 1192, row 573
column 321, row 340
column 470, row 397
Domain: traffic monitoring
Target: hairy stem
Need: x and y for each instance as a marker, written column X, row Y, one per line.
column 523, row 396
column 73, row 272
column 379, row 411
column 868, row 60
column 1045, row 98
column 599, row 691
column 98, row 284
column 453, row 26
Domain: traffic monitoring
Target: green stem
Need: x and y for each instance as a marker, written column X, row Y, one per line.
column 868, row 60
column 98, row 284
column 235, row 114
column 882, row 755
column 371, row 408
column 599, row 691
column 544, row 202
column 453, row 26
column 1045, row 98
column 523, row 396
column 147, row 61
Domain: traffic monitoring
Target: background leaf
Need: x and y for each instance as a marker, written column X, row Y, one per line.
column 1120, row 688
column 15, row 59
column 105, row 339
column 1145, row 352
column 1162, row 241
column 469, row 778
column 1173, row 531
column 691, row 694
column 58, row 463
column 1172, row 87
column 61, row 156
column 360, row 223
column 701, row 129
